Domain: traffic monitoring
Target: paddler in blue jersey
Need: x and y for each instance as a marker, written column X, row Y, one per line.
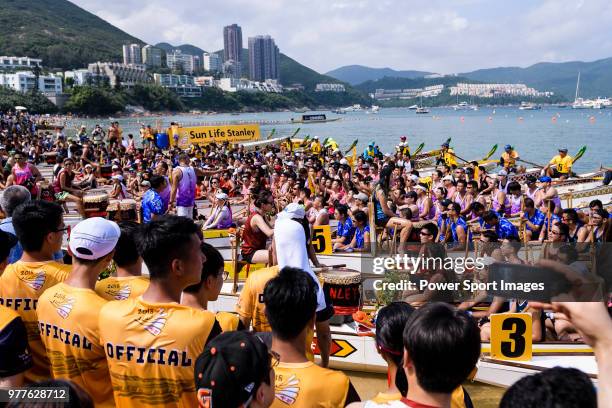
column 371, row 151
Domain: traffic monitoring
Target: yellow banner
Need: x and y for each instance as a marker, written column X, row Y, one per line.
column 217, row 134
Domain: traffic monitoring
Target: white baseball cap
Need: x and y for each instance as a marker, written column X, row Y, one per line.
column 293, row 210
column 221, row 196
column 94, row 238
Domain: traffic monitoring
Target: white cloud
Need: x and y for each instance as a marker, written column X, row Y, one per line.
column 438, row 35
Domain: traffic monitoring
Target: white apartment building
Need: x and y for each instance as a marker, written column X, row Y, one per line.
column 410, row 93
column 25, row 81
column 19, row 62
column 126, row 75
column 212, row 62
column 183, row 85
column 132, row 54
column 235, row 85
column 330, row 88
column 79, row 76
column 496, row 90
column 176, row 60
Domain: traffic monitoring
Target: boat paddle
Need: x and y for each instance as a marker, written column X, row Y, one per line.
column 271, row 134
column 351, row 146
column 491, row 152
column 418, row 149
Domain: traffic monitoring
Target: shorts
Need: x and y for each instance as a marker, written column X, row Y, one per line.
column 61, row 196
column 556, row 174
column 382, row 222
column 185, row 211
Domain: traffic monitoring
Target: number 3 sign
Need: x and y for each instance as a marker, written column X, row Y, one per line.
column 511, row 336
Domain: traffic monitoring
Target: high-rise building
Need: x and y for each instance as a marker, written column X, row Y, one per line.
column 132, row 54
column 232, row 48
column 263, row 58
column 212, row 62
column 178, row 61
column 151, row 56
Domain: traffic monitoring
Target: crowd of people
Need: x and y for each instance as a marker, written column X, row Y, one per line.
column 134, row 340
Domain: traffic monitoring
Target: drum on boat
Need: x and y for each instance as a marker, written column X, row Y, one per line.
column 106, row 170
column 113, row 210
column 128, row 210
column 50, row 157
column 95, row 203
column 343, row 288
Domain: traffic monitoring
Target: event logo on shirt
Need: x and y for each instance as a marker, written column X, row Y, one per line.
column 35, row 280
column 152, row 322
column 63, row 304
column 287, row 391
column 120, row 294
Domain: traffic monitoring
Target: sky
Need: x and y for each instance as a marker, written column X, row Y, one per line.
column 444, row 36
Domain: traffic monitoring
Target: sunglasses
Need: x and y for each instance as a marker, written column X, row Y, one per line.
column 426, row 234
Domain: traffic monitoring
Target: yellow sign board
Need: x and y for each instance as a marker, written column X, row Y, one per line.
column 193, row 135
column 322, row 240
column 511, row 336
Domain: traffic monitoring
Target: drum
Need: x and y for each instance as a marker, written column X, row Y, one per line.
column 127, row 208
column 95, row 202
column 106, row 171
column 343, row 287
column 50, row 157
column 113, row 210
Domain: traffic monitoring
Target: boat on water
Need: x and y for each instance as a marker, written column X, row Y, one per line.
column 529, row 106
column 354, row 108
column 421, row 110
column 413, row 107
column 580, row 103
column 461, row 106
column 316, row 118
column 339, row 111
column 373, row 109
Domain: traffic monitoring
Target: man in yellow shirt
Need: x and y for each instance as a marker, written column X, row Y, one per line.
column 39, row 226
column 68, row 312
column 508, row 158
column 291, row 304
column 560, row 166
column 152, row 341
column 447, row 155
column 315, row 146
column 15, row 358
column 129, row 282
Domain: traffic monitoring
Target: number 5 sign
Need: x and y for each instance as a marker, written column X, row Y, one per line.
column 511, row 336
column 321, row 239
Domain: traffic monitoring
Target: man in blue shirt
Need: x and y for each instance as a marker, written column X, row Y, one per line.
column 534, row 220
column 503, row 227
column 345, row 231
column 152, row 203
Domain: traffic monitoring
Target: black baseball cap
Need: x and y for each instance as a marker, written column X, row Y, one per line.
column 231, row 369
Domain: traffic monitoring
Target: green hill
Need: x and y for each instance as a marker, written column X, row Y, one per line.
column 61, row 33
column 185, row 48
column 357, row 74
column 595, row 77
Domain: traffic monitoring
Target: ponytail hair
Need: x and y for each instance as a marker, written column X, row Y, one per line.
column 390, row 323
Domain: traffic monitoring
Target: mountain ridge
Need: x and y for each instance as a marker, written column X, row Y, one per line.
column 356, row 74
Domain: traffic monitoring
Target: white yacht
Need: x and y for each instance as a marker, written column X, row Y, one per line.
column 580, row 103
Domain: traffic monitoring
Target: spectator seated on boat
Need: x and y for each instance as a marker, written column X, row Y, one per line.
column 346, row 230
column 361, row 239
column 555, row 387
column 257, row 230
column 221, row 214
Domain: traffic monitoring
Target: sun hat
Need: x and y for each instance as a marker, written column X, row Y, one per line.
column 94, row 238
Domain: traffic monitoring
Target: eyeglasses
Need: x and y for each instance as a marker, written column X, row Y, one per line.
column 425, row 233
column 66, row 228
